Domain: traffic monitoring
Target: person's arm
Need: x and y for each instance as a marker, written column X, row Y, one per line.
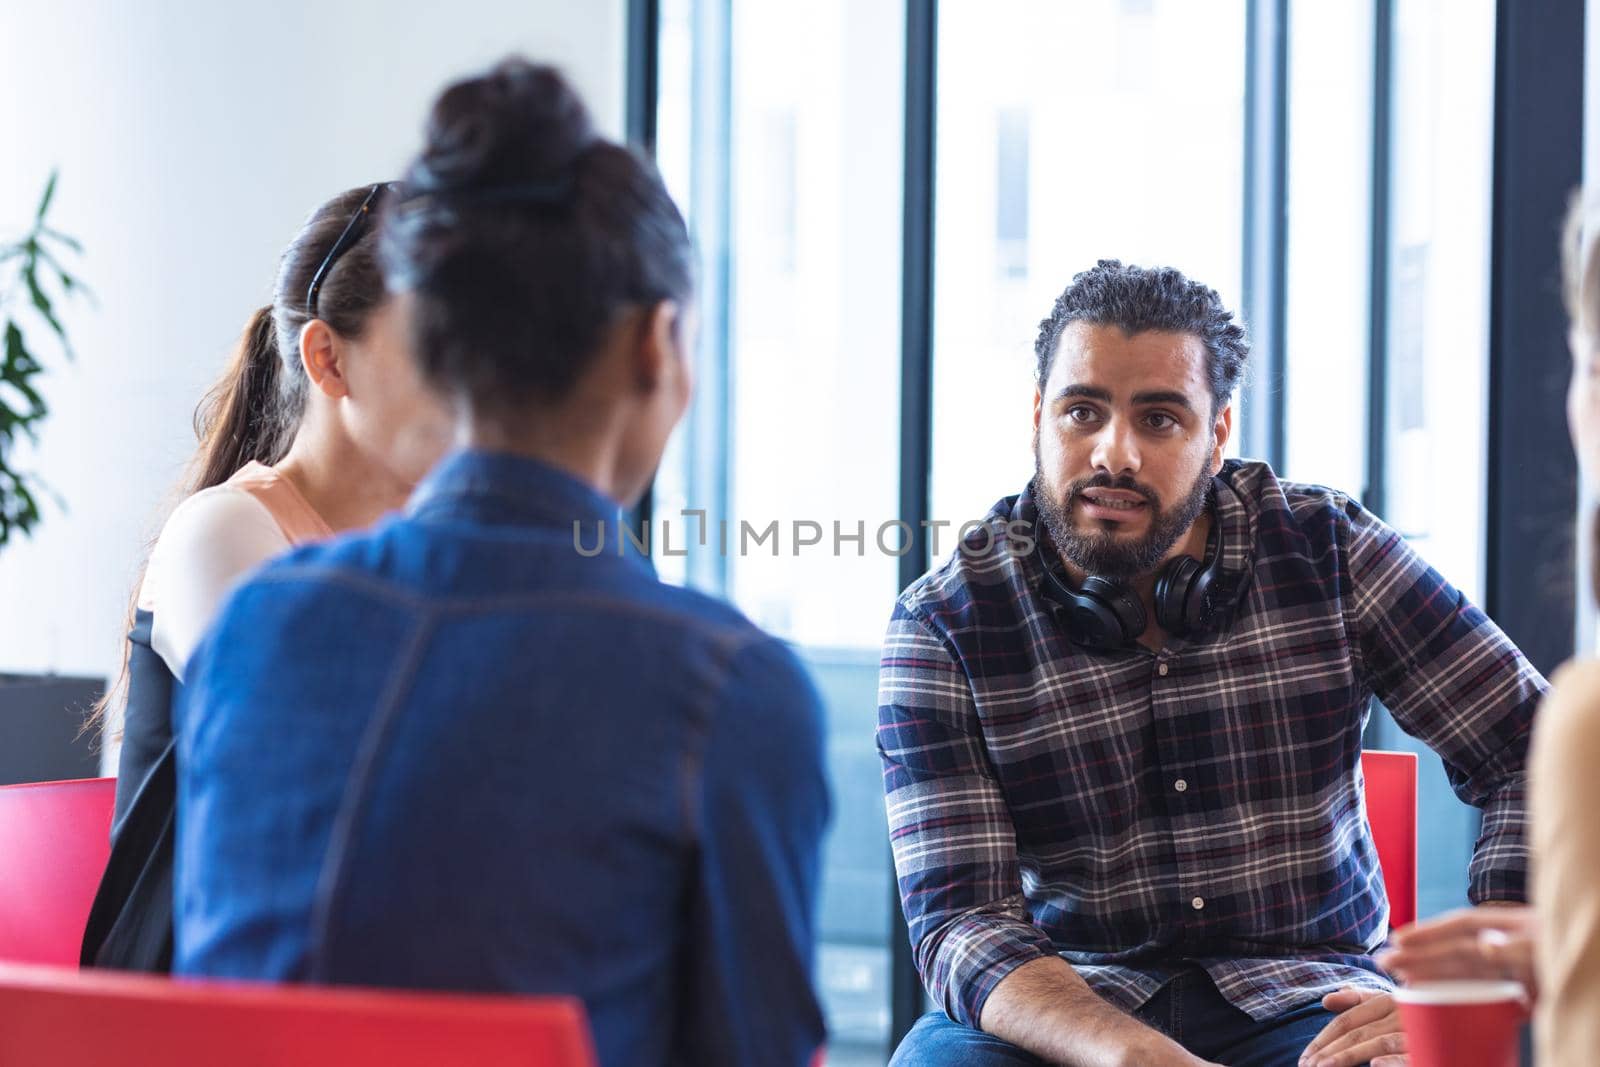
column 1047, row 1009
column 1566, row 866
column 955, row 854
column 212, row 540
column 759, row 810
column 1454, row 680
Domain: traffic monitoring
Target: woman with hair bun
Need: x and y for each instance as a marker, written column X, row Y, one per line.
column 319, row 424
column 466, row 751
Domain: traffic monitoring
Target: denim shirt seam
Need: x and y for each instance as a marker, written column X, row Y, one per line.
column 727, row 645
column 330, row 882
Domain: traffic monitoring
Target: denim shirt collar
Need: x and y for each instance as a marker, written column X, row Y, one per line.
column 501, row 489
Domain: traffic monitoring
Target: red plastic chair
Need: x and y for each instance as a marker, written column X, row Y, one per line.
column 1392, row 812
column 64, row 1018
column 54, row 840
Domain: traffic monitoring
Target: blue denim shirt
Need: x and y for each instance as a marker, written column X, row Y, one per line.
column 455, row 752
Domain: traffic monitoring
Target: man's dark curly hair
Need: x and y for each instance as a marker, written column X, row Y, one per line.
column 1137, row 299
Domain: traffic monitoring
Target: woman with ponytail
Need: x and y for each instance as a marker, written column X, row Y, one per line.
column 319, row 424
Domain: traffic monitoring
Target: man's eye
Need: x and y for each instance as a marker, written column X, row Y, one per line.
column 1081, row 413
column 1160, row 421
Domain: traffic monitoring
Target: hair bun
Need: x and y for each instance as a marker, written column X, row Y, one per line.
column 521, row 122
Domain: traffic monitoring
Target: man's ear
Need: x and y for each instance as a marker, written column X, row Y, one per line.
column 656, row 354
column 1038, row 413
column 322, row 355
column 1222, row 429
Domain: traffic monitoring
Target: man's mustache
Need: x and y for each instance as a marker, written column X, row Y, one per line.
column 1105, row 481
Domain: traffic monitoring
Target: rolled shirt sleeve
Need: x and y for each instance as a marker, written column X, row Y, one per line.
column 1453, row 680
column 955, row 849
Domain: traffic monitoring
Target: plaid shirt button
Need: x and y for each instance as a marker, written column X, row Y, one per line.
column 1197, row 903
column 1162, row 670
column 1180, row 785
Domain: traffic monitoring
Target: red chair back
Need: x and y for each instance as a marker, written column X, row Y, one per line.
column 1392, row 812
column 65, row 1018
column 54, row 840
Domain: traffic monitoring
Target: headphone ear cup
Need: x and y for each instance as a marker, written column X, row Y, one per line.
column 1198, row 608
column 1124, row 607
column 1101, row 615
column 1175, row 587
column 1091, row 623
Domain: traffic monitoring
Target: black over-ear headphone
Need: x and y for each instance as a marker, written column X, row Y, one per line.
column 1106, row 613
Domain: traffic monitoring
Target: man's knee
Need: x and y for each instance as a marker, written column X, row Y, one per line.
column 936, row 1041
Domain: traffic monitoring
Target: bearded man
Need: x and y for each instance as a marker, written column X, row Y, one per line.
column 1122, row 755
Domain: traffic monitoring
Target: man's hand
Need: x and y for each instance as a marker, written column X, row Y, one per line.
column 1486, row 942
column 1366, row 1031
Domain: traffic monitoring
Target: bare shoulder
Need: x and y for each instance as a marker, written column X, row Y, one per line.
column 220, row 511
column 212, row 536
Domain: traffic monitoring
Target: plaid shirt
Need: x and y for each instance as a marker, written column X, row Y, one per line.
column 1136, row 811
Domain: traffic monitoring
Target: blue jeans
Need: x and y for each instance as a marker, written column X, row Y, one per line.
column 1188, row 1009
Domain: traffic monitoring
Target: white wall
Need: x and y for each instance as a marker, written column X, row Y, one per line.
column 193, row 139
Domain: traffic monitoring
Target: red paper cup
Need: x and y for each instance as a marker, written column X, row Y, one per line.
column 1462, row 1024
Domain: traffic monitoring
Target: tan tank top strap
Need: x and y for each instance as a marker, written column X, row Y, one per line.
column 292, row 512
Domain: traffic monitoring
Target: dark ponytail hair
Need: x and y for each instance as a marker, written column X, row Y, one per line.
column 248, row 415
column 522, row 235
column 252, row 412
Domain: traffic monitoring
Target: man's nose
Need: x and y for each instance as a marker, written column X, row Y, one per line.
column 1116, row 450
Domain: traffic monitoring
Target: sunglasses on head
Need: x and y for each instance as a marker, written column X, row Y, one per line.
column 351, row 234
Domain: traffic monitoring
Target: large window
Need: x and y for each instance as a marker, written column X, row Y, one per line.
column 1327, row 331
column 1066, row 133
column 1438, row 330
column 1435, row 345
column 785, row 143
column 1387, row 320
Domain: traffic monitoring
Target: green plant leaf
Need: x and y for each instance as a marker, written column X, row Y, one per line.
column 38, row 273
column 61, row 238
column 41, row 303
column 69, row 283
column 29, row 512
column 36, row 409
column 16, row 371
column 18, row 360
column 44, row 201
column 19, row 508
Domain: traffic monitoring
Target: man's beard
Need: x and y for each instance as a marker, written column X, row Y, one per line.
column 1103, row 554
